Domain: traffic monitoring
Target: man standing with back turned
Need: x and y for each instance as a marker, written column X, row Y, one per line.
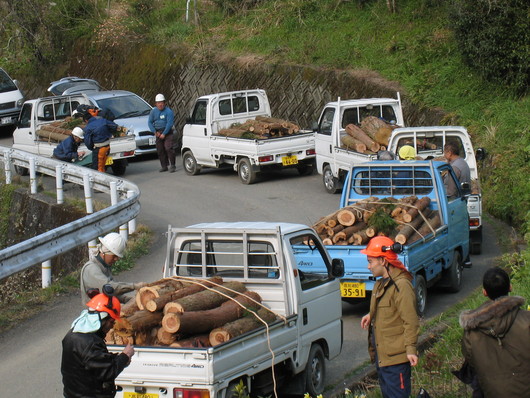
column 496, row 341
column 161, row 123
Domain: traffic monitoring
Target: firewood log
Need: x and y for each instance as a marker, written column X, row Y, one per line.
column 240, row 326
column 346, row 217
column 382, row 136
column 332, row 222
column 128, row 308
column 360, row 135
column 419, row 205
column 371, row 124
column 165, row 337
column 407, row 230
column 198, row 341
column 204, row 321
column 138, row 321
column 208, row 299
column 360, row 238
column 339, row 237
column 354, row 228
column 158, row 303
column 353, row 144
column 327, row 242
column 156, row 289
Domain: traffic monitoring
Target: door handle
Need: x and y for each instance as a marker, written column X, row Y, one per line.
column 205, row 131
column 330, row 149
column 304, row 316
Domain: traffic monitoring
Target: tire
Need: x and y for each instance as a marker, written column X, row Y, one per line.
column 331, row 184
column 190, row 164
column 420, row 288
column 315, row 371
column 246, row 174
column 475, row 242
column 455, row 273
column 21, row 171
column 305, row 169
column 119, row 166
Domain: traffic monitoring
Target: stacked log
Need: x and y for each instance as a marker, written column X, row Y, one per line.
column 377, row 129
column 371, row 136
column 172, row 313
column 360, row 135
column 261, row 128
column 405, row 221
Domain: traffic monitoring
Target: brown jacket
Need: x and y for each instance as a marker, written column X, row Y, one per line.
column 496, row 344
column 394, row 320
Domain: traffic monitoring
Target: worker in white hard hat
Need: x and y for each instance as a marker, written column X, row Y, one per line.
column 67, row 150
column 161, row 125
column 98, row 270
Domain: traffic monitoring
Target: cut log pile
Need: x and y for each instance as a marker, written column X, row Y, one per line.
column 60, row 130
column 405, row 221
column 371, row 137
column 261, row 128
column 177, row 313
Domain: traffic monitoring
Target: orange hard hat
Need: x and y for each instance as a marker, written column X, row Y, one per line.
column 381, row 246
column 103, row 303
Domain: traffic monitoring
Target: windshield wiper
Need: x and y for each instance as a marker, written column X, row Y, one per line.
column 128, row 114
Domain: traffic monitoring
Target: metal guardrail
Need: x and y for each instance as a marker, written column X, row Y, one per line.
column 42, row 248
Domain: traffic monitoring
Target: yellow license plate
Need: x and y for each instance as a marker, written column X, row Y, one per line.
column 109, row 161
column 352, row 289
column 138, row 395
column 289, row 160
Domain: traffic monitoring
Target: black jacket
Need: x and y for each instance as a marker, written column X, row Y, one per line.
column 88, row 368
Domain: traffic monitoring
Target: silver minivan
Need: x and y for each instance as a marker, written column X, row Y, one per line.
column 11, row 99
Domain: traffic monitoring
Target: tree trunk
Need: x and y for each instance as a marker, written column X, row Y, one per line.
column 360, row 135
column 371, row 124
column 382, row 136
column 209, row 299
column 419, row 205
column 240, row 326
column 204, row 321
column 138, row 321
column 164, row 337
column 158, row 303
column 156, row 289
column 406, row 230
column 346, row 217
column 352, row 144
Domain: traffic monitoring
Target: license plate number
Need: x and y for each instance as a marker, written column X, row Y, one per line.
column 138, row 395
column 6, row 120
column 289, row 160
column 152, row 140
column 352, row 289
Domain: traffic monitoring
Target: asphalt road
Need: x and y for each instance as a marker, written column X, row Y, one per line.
column 30, row 353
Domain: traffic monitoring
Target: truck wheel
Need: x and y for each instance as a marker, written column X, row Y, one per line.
column 330, row 183
column 21, row 171
column 190, row 164
column 315, row 371
column 455, row 273
column 475, row 242
column 246, row 174
column 420, row 288
column 118, row 167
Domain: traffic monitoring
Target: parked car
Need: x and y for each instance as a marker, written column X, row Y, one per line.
column 72, row 85
column 129, row 110
column 11, row 99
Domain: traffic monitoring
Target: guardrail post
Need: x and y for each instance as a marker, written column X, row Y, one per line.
column 132, row 223
column 7, row 166
column 32, row 176
column 113, row 201
column 46, row 267
column 59, row 184
column 92, row 245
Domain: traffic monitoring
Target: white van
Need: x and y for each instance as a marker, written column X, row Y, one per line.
column 11, row 99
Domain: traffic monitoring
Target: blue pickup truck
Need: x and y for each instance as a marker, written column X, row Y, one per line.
column 438, row 257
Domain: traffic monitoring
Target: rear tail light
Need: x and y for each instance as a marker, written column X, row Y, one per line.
column 190, row 393
column 310, row 152
column 474, row 222
column 263, row 159
column 128, row 153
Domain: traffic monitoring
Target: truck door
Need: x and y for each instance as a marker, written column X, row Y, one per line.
column 324, row 139
column 319, row 303
column 458, row 218
column 195, row 133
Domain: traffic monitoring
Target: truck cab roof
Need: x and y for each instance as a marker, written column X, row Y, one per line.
column 251, row 225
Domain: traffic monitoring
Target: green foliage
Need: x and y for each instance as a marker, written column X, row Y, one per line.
column 137, row 246
column 382, row 221
column 234, row 6
column 6, row 197
column 494, row 38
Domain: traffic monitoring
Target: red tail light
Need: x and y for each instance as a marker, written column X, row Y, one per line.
column 311, row 152
column 190, row 393
column 129, row 153
column 474, row 222
column 263, row 159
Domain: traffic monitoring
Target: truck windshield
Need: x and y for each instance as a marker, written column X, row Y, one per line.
column 228, row 259
column 6, row 84
column 125, row 106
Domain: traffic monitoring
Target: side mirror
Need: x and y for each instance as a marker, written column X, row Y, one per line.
column 337, row 267
column 314, row 127
column 466, row 188
column 480, row 154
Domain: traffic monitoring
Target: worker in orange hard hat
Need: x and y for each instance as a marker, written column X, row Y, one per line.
column 87, row 367
column 392, row 322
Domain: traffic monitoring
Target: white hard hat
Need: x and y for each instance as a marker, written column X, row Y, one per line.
column 78, row 132
column 160, row 98
column 114, row 243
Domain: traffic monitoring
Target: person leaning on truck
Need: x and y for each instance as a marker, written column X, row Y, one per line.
column 392, row 322
column 87, row 367
column 97, row 271
column 161, row 124
column 67, row 149
column 460, row 167
column 98, row 132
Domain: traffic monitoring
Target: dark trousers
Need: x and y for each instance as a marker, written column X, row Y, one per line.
column 394, row 380
column 165, row 151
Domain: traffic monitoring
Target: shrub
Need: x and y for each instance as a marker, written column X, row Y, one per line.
column 493, row 37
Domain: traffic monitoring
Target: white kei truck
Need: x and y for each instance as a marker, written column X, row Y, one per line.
column 333, row 161
column 202, row 146
column 429, row 143
column 37, row 112
column 294, row 348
